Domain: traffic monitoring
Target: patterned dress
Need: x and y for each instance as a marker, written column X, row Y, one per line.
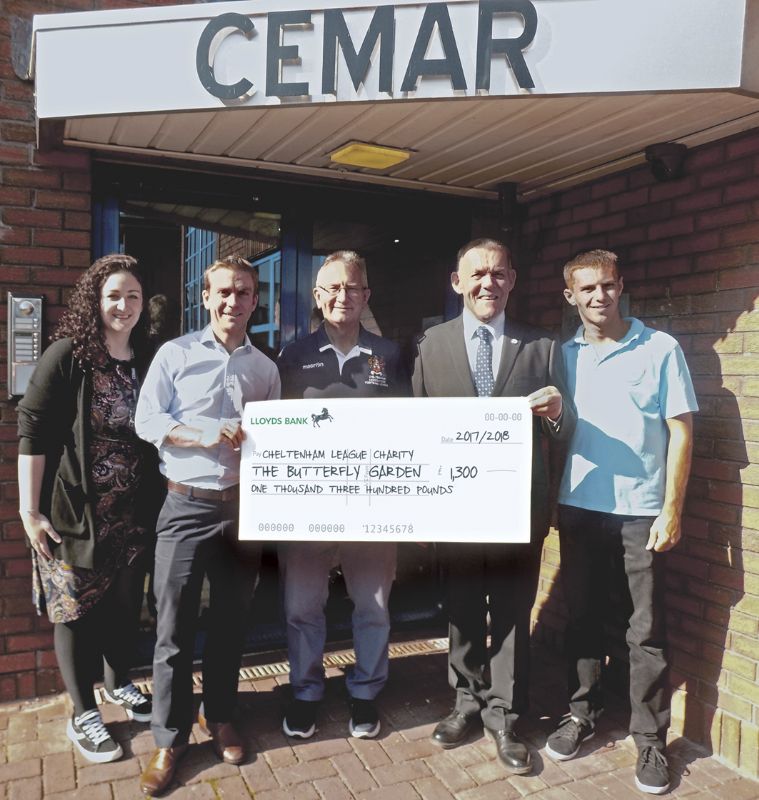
column 67, row 592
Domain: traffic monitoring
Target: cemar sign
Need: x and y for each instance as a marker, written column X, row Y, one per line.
column 434, row 29
column 208, row 56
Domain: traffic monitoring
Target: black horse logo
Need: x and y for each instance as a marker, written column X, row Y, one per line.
column 317, row 418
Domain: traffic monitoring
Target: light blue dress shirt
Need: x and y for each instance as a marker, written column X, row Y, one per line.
column 194, row 381
column 623, row 393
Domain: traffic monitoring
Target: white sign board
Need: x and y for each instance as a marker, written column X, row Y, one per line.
column 427, row 469
column 212, row 55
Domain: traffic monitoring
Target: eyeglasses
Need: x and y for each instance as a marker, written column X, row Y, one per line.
column 350, row 290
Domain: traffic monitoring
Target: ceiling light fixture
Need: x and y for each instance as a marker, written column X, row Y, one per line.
column 369, row 156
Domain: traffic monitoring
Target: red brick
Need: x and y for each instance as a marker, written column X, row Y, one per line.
column 63, row 200
column 728, row 172
column 14, row 154
column 698, row 243
column 68, row 159
column 608, row 223
column 746, row 277
column 77, row 220
column 13, row 196
column 35, row 641
column 569, row 232
column 721, row 259
column 30, row 255
column 588, row 211
column 672, row 227
column 650, row 213
column 744, row 190
column 15, row 111
column 670, row 190
column 15, row 275
column 608, row 186
column 32, row 217
column 741, row 234
column 626, row 200
column 60, row 277
column 76, row 258
column 17, row 236
column 18, row 133
column 77, row 181
column 17, row 662
column 723, row 217
column 33, row 178
column 76, row 239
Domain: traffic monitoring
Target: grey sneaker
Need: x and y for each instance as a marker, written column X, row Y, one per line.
column 138, row 706
column 564, row 743
column 300, row 719
column 652, row 771
column 364, row 722
column 92, row 739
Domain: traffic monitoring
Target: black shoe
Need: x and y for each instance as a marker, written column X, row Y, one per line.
column 564, row 743
column 512, row 751
column 300, row 719
column 455, row 729
column 651, row 771
column 364, row 722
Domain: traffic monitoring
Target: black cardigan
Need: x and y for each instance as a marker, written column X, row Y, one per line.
column 54, row 421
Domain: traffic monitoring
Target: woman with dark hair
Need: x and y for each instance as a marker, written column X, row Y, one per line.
column 86, row 485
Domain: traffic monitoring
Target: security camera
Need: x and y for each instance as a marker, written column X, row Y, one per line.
column 666, row 160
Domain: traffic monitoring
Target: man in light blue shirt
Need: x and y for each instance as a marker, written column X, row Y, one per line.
column 190, row 408
column 621, row 497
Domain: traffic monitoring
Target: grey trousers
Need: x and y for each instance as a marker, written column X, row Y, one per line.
column 198, row 538
column 369, row 571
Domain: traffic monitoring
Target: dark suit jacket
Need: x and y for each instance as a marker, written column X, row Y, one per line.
column 531, row 358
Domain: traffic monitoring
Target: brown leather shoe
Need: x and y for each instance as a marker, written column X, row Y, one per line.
column 159, row 773
column 227, row 742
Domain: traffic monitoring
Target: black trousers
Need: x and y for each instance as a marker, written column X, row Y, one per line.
column 588, row 540
column 198, row 538
column 499, row 580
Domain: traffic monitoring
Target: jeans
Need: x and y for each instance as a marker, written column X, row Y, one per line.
column 369, row 570
column 589, row 539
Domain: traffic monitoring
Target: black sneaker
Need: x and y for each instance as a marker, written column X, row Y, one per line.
column 364, row 722
column 300, row 719
column 92, row 739
column 564, row 743
column 138, row 706
column 651, row 771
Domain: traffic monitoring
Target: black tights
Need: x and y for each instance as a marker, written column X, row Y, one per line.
column 107, row 632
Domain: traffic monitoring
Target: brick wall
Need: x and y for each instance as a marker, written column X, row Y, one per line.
column 689, row 254
column 45, row 222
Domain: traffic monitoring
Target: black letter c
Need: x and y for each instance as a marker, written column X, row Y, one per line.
column 205, row 70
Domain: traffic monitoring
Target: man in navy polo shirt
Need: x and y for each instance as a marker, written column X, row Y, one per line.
column 341, row 359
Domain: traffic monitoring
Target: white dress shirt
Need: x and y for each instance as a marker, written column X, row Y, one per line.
column 194, row 381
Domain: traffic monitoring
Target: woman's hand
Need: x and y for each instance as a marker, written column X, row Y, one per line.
column 38, row 529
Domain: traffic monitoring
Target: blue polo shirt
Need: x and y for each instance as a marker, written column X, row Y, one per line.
column 623, row 392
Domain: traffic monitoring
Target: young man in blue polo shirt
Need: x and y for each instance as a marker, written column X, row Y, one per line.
column 621, row 497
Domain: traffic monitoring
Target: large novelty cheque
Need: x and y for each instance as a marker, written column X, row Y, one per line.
column 426, row 469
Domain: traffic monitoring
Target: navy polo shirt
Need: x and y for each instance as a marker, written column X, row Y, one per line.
column 309, row 369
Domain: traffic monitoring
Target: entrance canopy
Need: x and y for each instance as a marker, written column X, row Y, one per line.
column 539, row 93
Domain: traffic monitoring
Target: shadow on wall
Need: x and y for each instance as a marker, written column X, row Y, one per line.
column 706, row 584
column 705, row 580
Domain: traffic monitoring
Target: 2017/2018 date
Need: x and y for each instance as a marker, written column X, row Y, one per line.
column 482, row 437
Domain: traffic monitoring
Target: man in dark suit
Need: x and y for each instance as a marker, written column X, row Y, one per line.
column 483, row 353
